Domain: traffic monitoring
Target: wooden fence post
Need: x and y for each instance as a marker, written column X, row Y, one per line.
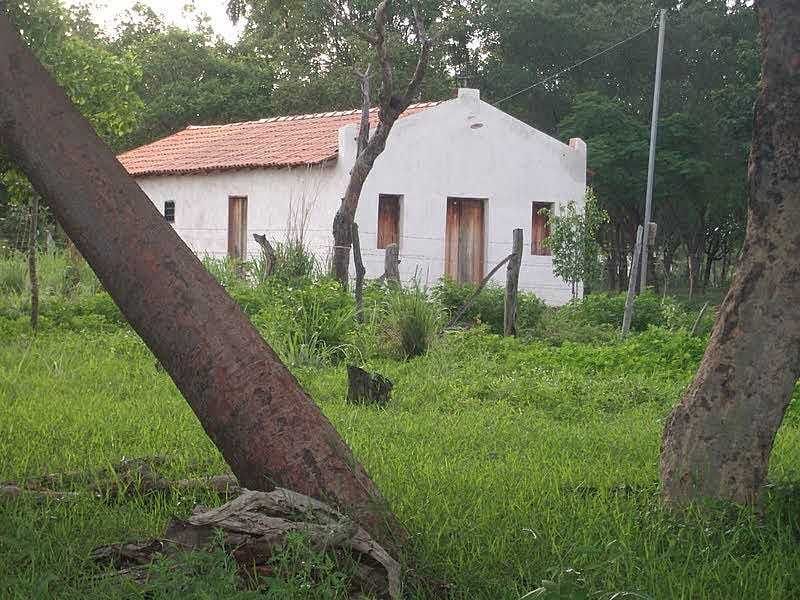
column 391, row 265
column 637, row 255
column 360, row 273
column 512, row 286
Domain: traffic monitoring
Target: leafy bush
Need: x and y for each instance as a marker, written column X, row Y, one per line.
column 609, row 309
column 488, row 306
column 558, row 326
column 412, row 321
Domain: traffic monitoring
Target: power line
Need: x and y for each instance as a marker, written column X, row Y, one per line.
column 579, row 63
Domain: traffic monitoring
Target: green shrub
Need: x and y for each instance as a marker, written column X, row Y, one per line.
column 488, row 306
column 558, row 326
column 411, row 322
column 609, row 309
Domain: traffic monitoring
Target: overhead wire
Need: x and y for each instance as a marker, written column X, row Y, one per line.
column 579, row 63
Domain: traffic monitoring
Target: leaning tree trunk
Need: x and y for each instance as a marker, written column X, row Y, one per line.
column 268, row 429
column 345, row 216
column 718, row 440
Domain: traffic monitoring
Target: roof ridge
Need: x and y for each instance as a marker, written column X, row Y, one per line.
column 319, row 115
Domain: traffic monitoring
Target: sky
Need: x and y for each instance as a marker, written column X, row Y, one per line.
column 105, row 11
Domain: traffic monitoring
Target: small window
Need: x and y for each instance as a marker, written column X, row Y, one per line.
column 388, row 220
column 540, row 229
column 169, row 211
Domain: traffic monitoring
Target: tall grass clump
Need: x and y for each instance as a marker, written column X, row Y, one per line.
column 308, row 322
column 293, row 260
column 13, row 273
column 411, row 321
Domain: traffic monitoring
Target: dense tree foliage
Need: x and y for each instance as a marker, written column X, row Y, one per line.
column 147, row 79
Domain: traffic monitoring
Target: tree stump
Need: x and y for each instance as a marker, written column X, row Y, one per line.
column 367, row 388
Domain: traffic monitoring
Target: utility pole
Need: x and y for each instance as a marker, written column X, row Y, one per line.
column 648, row 205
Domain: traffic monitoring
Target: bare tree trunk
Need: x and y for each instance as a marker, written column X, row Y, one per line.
column 32, row 273
column 707, row 273
column 391, row 107
column 718, row 440
column 269, row 431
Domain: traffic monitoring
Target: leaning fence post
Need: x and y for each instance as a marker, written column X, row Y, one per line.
column 637, row 254
column 360, row 272
column 512, row 286
column 391, row 265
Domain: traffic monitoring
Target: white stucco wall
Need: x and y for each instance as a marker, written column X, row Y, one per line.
column 461, row 148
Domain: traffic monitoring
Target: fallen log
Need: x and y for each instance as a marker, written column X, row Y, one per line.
column 253, row 529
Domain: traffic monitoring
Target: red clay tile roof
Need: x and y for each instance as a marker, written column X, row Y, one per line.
column 275, row 142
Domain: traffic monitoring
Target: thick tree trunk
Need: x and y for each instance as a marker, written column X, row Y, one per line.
column 718, row 440
column 268, row 429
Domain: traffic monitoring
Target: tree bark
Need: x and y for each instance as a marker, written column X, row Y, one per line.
column 269, row 431
column 718, row 440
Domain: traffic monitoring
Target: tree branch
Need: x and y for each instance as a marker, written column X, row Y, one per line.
column 363, row 130
column 347, row 21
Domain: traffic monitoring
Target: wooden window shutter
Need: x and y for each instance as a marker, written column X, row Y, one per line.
column 388, row 220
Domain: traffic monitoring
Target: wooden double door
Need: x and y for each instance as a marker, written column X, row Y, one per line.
column 465, row 240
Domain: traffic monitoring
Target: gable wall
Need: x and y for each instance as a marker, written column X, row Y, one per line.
column 462, row 148
column 467, row 148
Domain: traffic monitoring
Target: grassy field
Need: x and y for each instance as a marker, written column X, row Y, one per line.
column 510, row 463
column 522, row 468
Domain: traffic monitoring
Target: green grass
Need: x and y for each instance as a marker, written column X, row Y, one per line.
column 510, row 463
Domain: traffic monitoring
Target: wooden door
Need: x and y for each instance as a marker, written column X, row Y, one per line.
column 237, row 227
column 464, row 240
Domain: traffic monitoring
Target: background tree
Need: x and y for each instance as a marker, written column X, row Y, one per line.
column 718, row 440
column 189, row 77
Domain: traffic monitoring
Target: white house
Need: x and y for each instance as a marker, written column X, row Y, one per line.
column 454, row 181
